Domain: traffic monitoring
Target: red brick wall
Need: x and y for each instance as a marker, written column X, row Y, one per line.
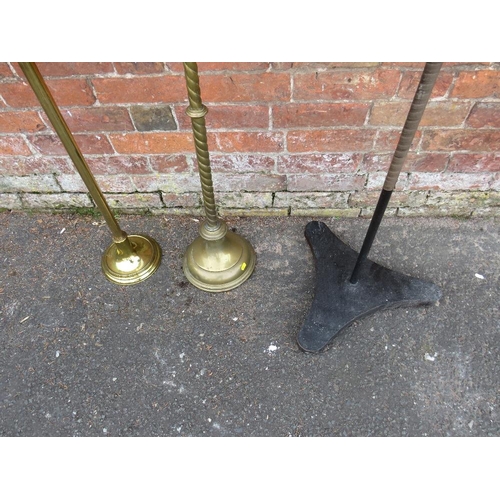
column 300, row 138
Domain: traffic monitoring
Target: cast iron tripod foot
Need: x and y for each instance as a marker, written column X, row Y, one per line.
column 337, row 303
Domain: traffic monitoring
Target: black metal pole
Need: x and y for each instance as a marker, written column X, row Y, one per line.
column 422, row 95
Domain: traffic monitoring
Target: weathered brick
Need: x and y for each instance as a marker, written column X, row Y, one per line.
column 376, row 181
column 352, row 85
column 319, row 163
column 486, row 212
column 461, row 140
column 243, row 87
column 134, row 200
column 28, row 165
column 243, row 142
column 411, row 79
column 259, row 183
column 229, row 117
column 148, row 118
column 465, row 199
column 330, row 140
column 495, row 183
column 477, row 84
column 167, row 183
column 153, row 142
column 171, row 163
column 101, row 119
column 72, row 68
column 319, row 115
column 5, row 71
column 375, row 162
column 311, row 200
column 107, row 183
column 181, row 200
column 232, row 66
column 20, row 121
column 13, row 145
column 122, row 164
column 147, row 89
column 65, row 92
column 433, row 211
column 323, row 66
column 474, row 163
column 449, row 182
column 369, row 199
column 244, row 200
column 425, row 162
column 484, row 115
column 56, row 201
column 139, row 68
column 325, row 182
column 369, row 212
column 237, row 163
column 442, row 114
column 387, row 140
column 89, row 144
column 10, row 201
column 28, row 183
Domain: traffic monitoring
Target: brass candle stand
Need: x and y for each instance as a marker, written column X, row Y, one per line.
column 218, row 260
column 130, row 259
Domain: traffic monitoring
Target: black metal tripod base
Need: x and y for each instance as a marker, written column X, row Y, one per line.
column 337, row 303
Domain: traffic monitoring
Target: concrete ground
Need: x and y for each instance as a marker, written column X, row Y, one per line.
column 81, row 356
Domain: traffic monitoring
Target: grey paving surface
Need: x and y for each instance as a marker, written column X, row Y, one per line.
column 83, row 357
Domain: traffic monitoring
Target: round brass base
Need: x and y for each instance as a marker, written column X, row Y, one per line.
column 219, row 265
column 128, row 268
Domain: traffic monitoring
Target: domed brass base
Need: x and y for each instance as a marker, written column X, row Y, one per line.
column 218, row 261
column 132, row 261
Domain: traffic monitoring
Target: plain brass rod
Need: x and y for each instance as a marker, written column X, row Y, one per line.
column 197, row 111
column 50, row 107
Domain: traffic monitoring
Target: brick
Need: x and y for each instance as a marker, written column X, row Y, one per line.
column 170, row 163
column 411, row 79
column 232, row 66
column 153, row 142
column 71, row 68
column 449, row 182
column 330, row 140
column 10, row 201
column 112, row 165
column 325, row 182
column 172, row 200
column 375, row 162
column 319, row 115
column 495, row 183
column 89, row 144
column 259, row 183
column 150, row 89
column 56, row 201
column 319, row 163
column 246, row 142
column 5, row 71
column 376, row 181
column 168, row 183
column 244, row 200
column 139, row 68
column 229, row 117
column 477, row 84
column 28, row 183
column 311, row 200
column 443, row 114
column 107, row 183
column 368, row 212
column 425, row 162
column 486, row 212
column 461, row 140
column 474, row 163
column 242, row 87
column 369, row 199
column 429, row 211
column 236, row 163
column 135, row 200
column 13, row 146
column 387, row 140
column 101, row 119
column 28, row 165
column 148, row 118
column 466, row 199
column 333, row 65
column 21, row 121
column 351, row 85
column 65, row 93
column 484, row 115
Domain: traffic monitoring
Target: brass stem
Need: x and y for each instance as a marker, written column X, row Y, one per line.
column 197, row 111
column 48, row 104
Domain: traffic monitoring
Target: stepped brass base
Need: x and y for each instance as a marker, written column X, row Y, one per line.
column 132, row 261
column 218, row 260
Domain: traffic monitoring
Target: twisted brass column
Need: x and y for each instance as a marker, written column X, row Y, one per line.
column 129, row 259
column 217, row 260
